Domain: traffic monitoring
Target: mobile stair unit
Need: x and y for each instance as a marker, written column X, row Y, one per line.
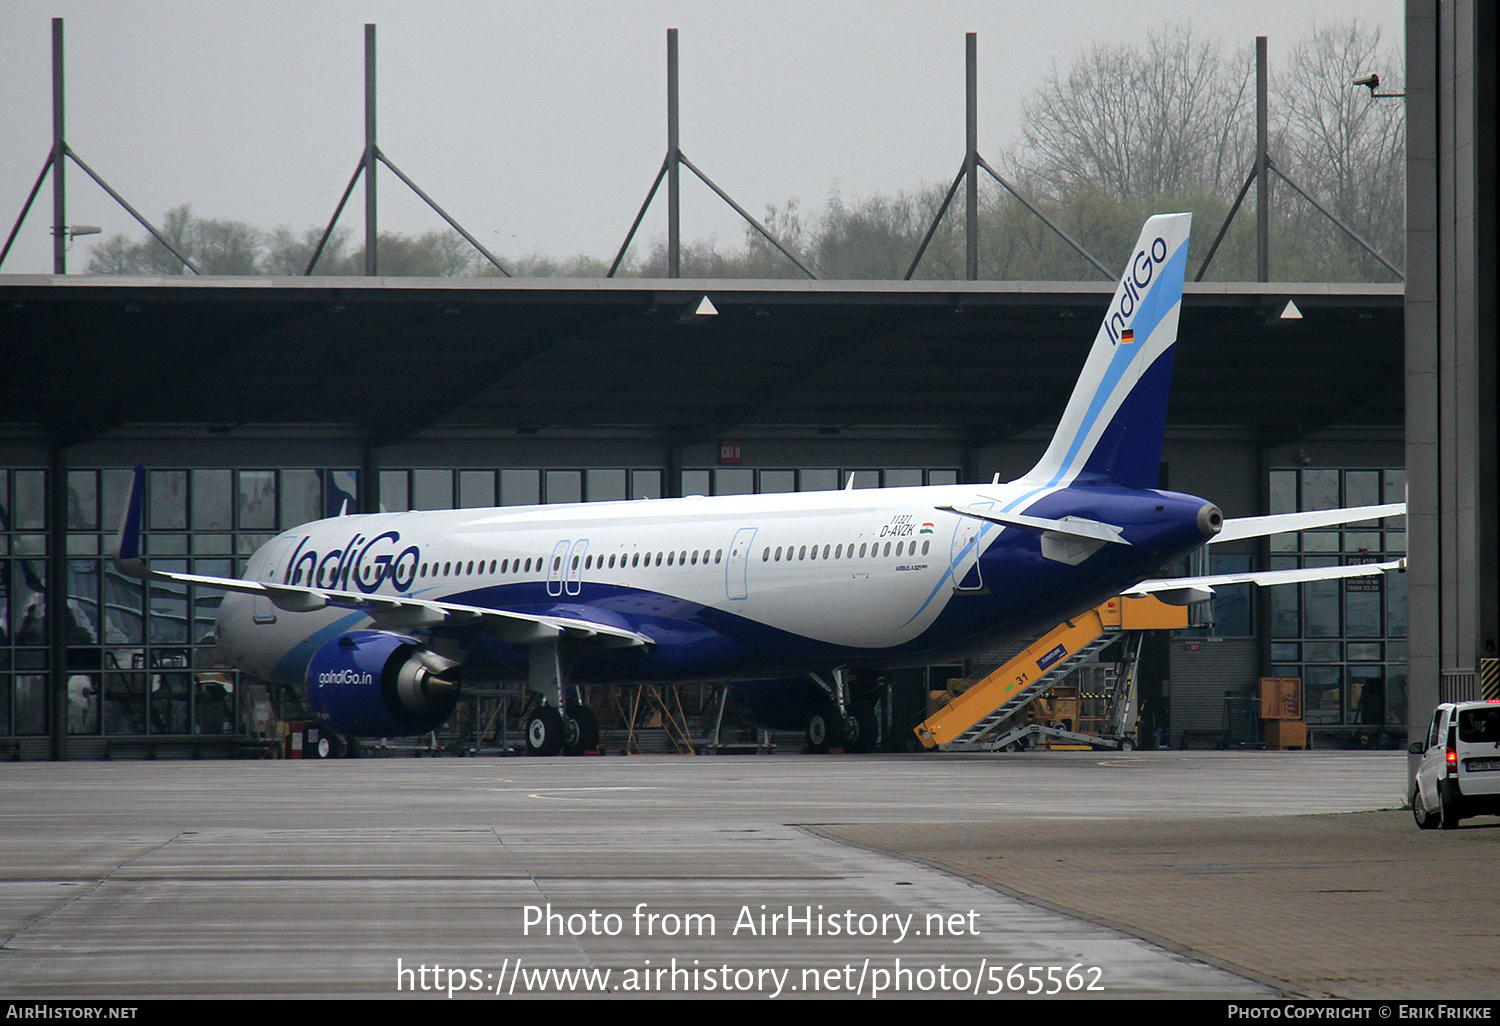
column 969, row 721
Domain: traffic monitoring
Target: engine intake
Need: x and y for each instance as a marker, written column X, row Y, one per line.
column 377, row 684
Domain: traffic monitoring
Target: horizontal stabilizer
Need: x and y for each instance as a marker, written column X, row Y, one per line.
column 1279, row 523
column 1264, row 578
column 1078, row 527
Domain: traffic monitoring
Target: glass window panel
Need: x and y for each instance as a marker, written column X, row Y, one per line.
column 1362, row 608
column 343, row 486
column 213, row 705
column 942, row 477
column 1366, row 695
column 1320, row 489
column 1321, row 615
column 520, row 487
column 1395, row 605
column 1395, row 541
column 29, row 601
column 124, row 623
column 695, row 482
column 395, row 491
column 734, row 481
column 1284, row 542
column 903, row 478
column 1395, row 491
column 83, row 544
column 31, row 703
column 1286, row 651
column 1320, row 541
column 301, row 497
column 1322, row 690
column 125, row 702
column 5, row 521
column 818, row 479
column 83, row 500
column 778, row 480
column 5, row 620
column 30, row 544
column 1362, row 541
column 206, row 600
column 606, row 485
column 1362, row 488
column 1365, row 651
column 1286, row 605
column 83, row 602
column 432, row 489
column 4, row 687
column 564, row 486
column 83, row 704
column 169, row 703
column 168, row 491
column 257, row 500
column 862, row 478
column 1283, row 491
column 30, row 500
column 1231, row 603
column 476, row 489
column 645, row 484
column 213, row 500
column 213, row 544
column 169, row 607
column 1395, row 696
column 1323, row 652
column 167, row 544
column 114, row 490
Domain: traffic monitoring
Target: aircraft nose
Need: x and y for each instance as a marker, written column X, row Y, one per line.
column 1210, row 520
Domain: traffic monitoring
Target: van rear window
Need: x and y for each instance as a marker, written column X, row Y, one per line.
column 1480, row 725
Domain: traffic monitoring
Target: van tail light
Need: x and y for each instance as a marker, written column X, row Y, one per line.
column 1452, row 751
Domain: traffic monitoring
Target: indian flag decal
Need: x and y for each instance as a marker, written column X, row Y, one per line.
column 926, row 528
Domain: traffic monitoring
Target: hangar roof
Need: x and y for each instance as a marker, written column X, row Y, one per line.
column 394, row 356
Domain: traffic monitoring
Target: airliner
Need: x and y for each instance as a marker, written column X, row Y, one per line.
column 384, row 617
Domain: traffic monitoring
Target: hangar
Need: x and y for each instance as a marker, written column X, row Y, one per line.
column 262, row 403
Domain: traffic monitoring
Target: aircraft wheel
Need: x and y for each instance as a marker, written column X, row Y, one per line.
column 861, row 731
column 824, row 731
column 585, row 732
column 544, row 732
column 1424, row 817
column 1127, row 744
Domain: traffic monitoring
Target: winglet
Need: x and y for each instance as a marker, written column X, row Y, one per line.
column 127, row 547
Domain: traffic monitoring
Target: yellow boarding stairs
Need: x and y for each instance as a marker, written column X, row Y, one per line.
column 964, row 722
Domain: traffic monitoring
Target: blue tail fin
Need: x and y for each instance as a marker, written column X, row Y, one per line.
column 1112, row 429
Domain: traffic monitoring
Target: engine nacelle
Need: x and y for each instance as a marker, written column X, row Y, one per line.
column 376, row 684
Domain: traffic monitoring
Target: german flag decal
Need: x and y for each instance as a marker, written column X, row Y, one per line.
column 1127, row 336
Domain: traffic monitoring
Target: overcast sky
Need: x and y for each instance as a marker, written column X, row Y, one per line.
column 540, row 125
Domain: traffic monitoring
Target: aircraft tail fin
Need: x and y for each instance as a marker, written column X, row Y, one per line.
column 1112, row 429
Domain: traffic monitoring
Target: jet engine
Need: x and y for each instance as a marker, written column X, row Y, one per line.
column 377, row 684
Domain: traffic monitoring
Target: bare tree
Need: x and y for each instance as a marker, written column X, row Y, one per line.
column 1344, row 146
column 1166, row 118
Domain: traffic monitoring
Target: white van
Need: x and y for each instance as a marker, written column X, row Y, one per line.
column 1459, row 775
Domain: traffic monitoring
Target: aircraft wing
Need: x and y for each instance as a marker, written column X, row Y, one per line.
column 1182, row 591
column 1240, row 528
column 396, row 611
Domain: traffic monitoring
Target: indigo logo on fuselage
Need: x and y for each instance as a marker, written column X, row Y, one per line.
column 1138, row 277
column 364, row 563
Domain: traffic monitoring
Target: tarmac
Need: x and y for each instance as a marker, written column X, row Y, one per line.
column 1184, row 874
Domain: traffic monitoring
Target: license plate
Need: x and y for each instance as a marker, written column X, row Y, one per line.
column 1482, row 765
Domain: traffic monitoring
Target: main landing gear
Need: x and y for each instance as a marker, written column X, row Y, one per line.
column 839, row 721
column 561, row 724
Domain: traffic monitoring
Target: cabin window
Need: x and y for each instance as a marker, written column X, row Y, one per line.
column 718, row 555
column 695, row 557
column 635, row 560
column 575, row 562
column 669, row 558
column 925, row 546
column 862, row 550
column 887, row 548
column 838, row 553
column 778, row 553
column 765, row 557
column 681, row 558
